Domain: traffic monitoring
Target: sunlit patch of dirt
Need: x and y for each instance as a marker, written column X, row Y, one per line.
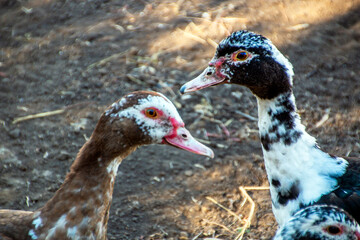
column 80, row 56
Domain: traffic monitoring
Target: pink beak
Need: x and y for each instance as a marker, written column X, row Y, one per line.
column 183, row 139
column 209, row 77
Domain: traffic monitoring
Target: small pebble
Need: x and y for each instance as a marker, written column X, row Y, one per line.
column 184, row 236
column 207, row 164
column 188, row 173
column 15, row 133
column 63, row 155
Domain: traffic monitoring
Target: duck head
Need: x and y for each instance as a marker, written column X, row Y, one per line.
column 320, row 222
column 247, row 59
column 142, row 118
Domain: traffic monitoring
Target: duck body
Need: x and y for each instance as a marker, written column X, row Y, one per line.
column 319, row 222
column 80, row 208
column 15, row 219
column 299, row 172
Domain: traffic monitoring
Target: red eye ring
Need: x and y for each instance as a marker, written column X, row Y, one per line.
column 151, row 113
column 333, row 230
column 241, row 55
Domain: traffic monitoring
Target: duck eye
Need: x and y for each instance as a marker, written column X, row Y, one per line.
column 241, row 56
column 333, row 230
column 151, row 113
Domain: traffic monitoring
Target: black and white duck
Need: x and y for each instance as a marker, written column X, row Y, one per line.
column 299, row 172
column 320, row 222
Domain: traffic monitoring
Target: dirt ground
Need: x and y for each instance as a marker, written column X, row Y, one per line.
column 81, row 56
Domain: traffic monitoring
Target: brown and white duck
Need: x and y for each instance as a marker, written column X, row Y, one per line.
column 299, row 172
column 80, row 208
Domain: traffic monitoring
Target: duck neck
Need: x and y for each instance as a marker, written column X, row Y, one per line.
column 279, row 124
column 80, row 208
column 299, row 173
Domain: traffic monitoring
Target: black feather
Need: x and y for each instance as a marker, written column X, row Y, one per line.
column 347, row 195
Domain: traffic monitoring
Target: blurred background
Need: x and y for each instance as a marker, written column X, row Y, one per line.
column 77, row 57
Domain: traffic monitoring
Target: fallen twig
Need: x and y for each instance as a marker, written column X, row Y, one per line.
column 242, row 203
column 298, row 27
column 252, row 208
column 196, row 237
column 226, row 209
column 38, row 115
column 134, row 79
column 220, row 225
column 107, row 59
column 169, row 89
column 222, row 125
column 248, row 220
column 203, row 141
column 193, row 37
column 214, row 135
column 322, row 120
column 246, row 115
column 212, row 42
column 50, row 113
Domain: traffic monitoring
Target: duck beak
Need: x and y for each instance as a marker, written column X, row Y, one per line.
column 209, row 77
column 183, row 139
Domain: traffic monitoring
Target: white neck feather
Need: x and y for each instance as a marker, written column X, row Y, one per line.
column 292, row 157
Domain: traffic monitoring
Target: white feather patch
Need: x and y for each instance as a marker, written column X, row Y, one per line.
column 312, row 170
column 151, row 126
